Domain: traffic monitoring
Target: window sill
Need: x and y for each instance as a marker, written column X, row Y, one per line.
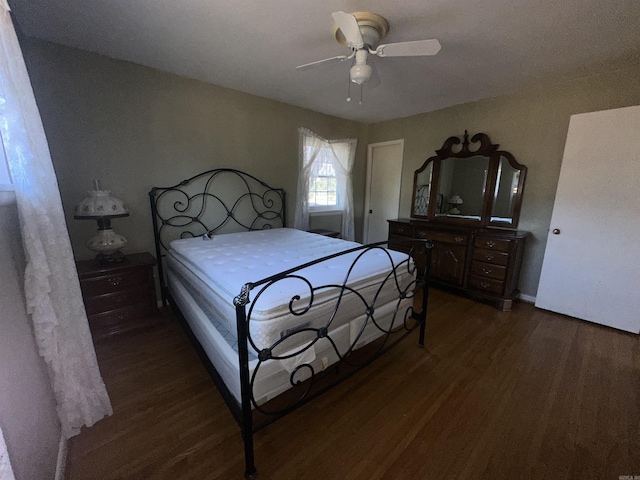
column 321, row 213
column 7, row 197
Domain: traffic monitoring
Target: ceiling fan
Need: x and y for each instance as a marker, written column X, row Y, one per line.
column 362, row 32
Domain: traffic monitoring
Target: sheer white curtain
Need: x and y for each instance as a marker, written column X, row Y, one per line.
column 52, row 289
column 341, row 154
column 6, row 472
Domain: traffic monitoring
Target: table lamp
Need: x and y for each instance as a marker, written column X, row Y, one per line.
column 102, row 207
column 455, row 200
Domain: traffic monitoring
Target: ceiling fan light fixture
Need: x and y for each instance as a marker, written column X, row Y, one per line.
column 360, row 73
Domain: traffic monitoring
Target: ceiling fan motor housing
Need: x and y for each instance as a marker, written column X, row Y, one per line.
column 373, row 28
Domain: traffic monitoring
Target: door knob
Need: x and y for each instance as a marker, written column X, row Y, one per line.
column 556, row 231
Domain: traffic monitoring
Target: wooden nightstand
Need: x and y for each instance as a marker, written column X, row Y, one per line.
column 121, row 297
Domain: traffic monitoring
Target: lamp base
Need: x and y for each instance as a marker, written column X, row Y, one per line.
column 107, row 243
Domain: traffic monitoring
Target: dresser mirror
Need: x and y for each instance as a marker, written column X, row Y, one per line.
column 469, row 186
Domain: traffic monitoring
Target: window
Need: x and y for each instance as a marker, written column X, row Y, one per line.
column 323, row 183
column 324, row 180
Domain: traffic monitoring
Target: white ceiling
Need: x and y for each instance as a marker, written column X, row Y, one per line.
column 489, row 47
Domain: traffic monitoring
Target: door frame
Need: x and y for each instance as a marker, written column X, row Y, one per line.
column 367, row 196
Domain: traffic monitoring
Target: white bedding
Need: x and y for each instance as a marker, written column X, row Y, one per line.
column 205, row 275
column 215, row 270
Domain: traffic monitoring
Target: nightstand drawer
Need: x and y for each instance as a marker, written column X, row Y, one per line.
column 102, row 303
column 113, row 282
column 119, row 297
column 122, row 320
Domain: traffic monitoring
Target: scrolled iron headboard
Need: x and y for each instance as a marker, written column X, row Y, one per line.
column 221, row 200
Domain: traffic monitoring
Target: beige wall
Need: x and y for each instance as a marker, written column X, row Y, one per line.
column 532, row 125
column 27, row 407
column 135, row 127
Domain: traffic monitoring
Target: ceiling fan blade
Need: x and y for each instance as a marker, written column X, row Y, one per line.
column 348, row 25
column 308, row 66
column 409, row 49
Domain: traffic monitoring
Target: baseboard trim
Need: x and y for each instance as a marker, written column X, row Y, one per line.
column 61, row 465
column 527, row 298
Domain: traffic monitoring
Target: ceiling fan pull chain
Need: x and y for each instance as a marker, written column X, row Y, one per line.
column 360, row 102
column 349, row 91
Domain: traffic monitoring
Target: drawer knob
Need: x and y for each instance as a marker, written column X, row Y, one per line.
column 486, row 271
column 484, row 285
column 491, row 243
column 489, row 257
column 122, row 316
column 459, row 239
column 114, row 281
column 400, row 230
column 119, row 299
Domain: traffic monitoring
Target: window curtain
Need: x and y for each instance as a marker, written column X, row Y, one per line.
column 342, row 157
column 6, row 472
column 52, row 289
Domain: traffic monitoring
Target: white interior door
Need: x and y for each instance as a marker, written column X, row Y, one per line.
column 382, row 201
column 591, row 267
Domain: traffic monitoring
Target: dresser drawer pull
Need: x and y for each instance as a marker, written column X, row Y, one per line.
column 114, row 281
column 490, row 243
column 459, row 239
column 489, row 257
column 485, row 285
column 122, row 316
column 120, row 298
column 486, row 271
column 400, row 230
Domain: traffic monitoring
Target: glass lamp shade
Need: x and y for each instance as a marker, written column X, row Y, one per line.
column 100, row 203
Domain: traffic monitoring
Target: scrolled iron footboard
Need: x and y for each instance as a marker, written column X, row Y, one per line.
column 409, row 312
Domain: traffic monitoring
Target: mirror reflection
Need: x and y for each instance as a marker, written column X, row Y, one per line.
column 461, row 187
column 422, row 192
column 479, row 186
column 507, row 182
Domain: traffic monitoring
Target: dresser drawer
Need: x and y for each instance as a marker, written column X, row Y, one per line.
column 444, row 237
column 400, row 244
column 486, row 284
column 488, row 270
column 495, row 244
column 111, row 301
column 490, row 256
column 401, row 229
column 113, row 282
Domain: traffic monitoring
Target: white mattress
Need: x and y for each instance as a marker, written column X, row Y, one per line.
column 205, row 275
column 215, row 271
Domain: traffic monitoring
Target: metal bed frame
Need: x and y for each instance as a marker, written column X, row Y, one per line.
column 184, row 210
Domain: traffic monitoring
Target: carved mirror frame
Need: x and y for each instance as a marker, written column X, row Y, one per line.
column 503, row 178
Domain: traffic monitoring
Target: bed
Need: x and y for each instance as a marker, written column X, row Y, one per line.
column 277, row 315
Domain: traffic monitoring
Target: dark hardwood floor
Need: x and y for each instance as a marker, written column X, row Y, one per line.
column 494, row 395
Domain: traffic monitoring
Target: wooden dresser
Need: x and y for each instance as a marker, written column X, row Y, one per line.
column 482, row 262
column 121, row 297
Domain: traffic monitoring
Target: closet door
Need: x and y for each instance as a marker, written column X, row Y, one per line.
column 591, row 267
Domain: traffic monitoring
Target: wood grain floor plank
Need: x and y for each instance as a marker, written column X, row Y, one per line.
column 493, row 395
